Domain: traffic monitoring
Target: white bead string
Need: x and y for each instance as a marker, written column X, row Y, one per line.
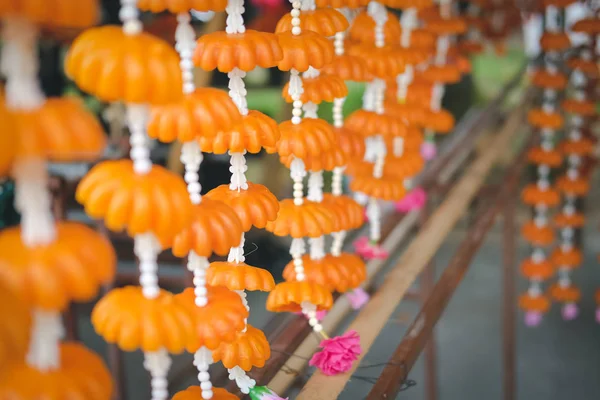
column 191, row 158
column 378, row 12
column 130, row 17
column 297, row 173
column 235, row 20
column 295, row 13
column 158, row 364
column 185, row 43
column 242, row 380
column 310, row 310
column 374, row 215
column 46, row 333
column 202, row 360
column 297, row 250
column 137, row 117
column 147, row 248
column 198, row 265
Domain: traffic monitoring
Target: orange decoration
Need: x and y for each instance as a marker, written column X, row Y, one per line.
column 539, row 156
column 538, row 236
column 249, row 349
column 369, row 123
column 61, row 130
column 289, row 297
column 591, row 26
column 308, row 219
column 558, row 41
column 82, row 375
column 441, row 121
column 72, row 267
column 578, row 187
column 363, row 29
column 584, row 108
column 588, row 67
column 339, row 274
column 352, row 215
column 195, row 393
column 181, row 6
column 470, row 47
column 254, row 206
column 239, row 276
column 387, row 188
column 563, row 220
column 383, row 62
column 311, row 137
column 540, row 271
column 14, row 335
column 581, row 147
column 203, row 113
column 326, row 161
column 114, row 66
column 255, row 131
column 532, row 195
column 538, row 303
column 8, row 142
column 544, row 79
column 351, row 144
column 441, row 73
column 216, row 323
column 317, row 90
column 308, row 49
column 246, row 51
column 567, row 259
column 446, row 26
column 569, row 294
column 422, row 39
column 413, row 114
column 128, row 319
column 324, row 21
column 214, row 228
column 407, row 165
column 59, row 13
column 348, row 68
column 541, row 119
column 156, row 202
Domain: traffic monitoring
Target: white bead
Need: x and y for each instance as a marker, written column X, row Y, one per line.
column 296, row 30
column 318, row 328
column 150, row 292
column 295, row 13
column 203, row 376
column 313, row 321
column 194, row 187
column 297, row 104
column 132, row 27
column 206, row 385
column 200, row 291
column 201, row 301
column 207, row 394
column 300, row 277
column 295, row 21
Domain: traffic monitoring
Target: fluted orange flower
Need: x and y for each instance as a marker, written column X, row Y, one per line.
column 113, row 66
column 155, row 202
column 422, row 39
column 370, row 123
column 403, row 4
column 413, row 114
column 239, row 276
column 567, row 258
column 363, row 29
column 216, row 323
column 544, row 79
column 446, row 26
column 309, row 219
column 537, row 235
column 214, row 228
column 308, row 49
column 383, row 62
column 326, row 161
column 195, row 393
column 338, row 274
column 246, row 51
column 7, row 141
column 255, row 206
column 351, row 213
column 351, row 144
column 348, row 68
column 588, row 67
column 407, row 165
column 581, row 147
column 534, row 303
column 254, row 132
column 470, row 47
column 539, row 156
column 576, row 220
column 60, row 13
column 591, row 26
column 555, row 41
column 541, row 119
column 311, row 137
column 289, row 297
column 324, row 21
column 578, row 187
column 249, row 349
column 440, row 121
column 14, row 336
column 342, row 3
column 203, row 113
column 441, row 73
column 387, row 188
column 181, row 6
column 585, row 108
column 317, row 90
column 533, row 195
column 537, row 270
column 568, row 294
column 71, row 268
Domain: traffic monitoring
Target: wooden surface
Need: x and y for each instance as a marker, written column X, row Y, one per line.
column 373, row 317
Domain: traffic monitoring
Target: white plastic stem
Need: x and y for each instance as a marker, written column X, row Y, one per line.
column 198, row 265
column 237, row 90
column 147, row 248
column 235, row 20
column 297, row 173
column 202, row 360
column 185, row 43
column 336, row 181
column 295, row 91
column 338, row 242
column 374, row 214
column 46, row 333
column 192, row 157
column 295, row 13
column 158, row 364
column 297, row 250
column 238, row 170
column 130, row 16
column 137, row 117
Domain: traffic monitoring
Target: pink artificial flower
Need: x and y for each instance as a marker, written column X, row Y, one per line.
column 415, row 200
column 368, row 250
column 533, row 318
column 358, row 298
column 570, row 311
column 337, row 354
column 428, row 150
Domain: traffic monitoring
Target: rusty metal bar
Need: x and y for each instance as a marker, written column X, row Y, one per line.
column 395, row 373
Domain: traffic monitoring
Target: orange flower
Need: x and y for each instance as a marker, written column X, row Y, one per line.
column 578, row 187
column 539, row 156
column 533, row 195
column 567, row 259
column 538, row 303
column 383, row 62
column 544, row 79
column 351, row 144
column 326, row 161
column 363, row 29
column 304, row 50
column 470, row 47
column 446, row 26
column 387, row 188
column 422, row 39
column 536, row 235
column 309, row 138
column 351, row 212
column 588, row 67
column 584, row 108
column 541, row 270
column 249, row 349
column 114, row 66
column 541, row 119
column 404, row 4
column 309, row 219
column 441, row 121
column 342, row 3
column 324, row 21
column 14, row 336
column 7, row 141
column 317, row 90
column 181, row 6
column 370, row 123
column 195, row 393
column 334, row 273
column 440, row 73
column 239, row 276
column 348, row 68
column 289, row 297
column 413, row 114
column 569, row 294
column 60, row 13
column 581, row 147
column 591, row 26
column 552, row 41
column 246, row 51
column 576, row 220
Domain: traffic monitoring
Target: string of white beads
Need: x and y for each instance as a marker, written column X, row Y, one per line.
column 137, row 116
column 202, row 361
column 398, row 143
column 310, row 310
column 297, row 250
column 235, row 20
column 185, row 43
column 242, row 380
column 338, row 242
column 409, row 22
column 236, row 254
column 297, row 173
column 315, row 186
column 374, row 215
column 158, row 364
column 404, row 80
column 238, row 170
column 336, row 181
column 146, row 248
column 237, row 90
column 243, row 296
column 197, row 266
column 191, row 157
column 317, row 248
column 130, row 17
column 46, row 333
column 295, row 13
column 338, row 112
column 295, row 91
column 378, row 12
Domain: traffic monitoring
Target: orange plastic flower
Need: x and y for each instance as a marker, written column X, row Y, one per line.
column 325, row 161
column 324, row 21
column 203, row 113
column 407, row 165
column 309, row 219
column 588, row 67
column 387, row 188
column 591, row 26
column 216, row 323
column 576, row 220
column 131, row 321
column 422, row 39
column 578, row 187
column 311, row 137
column 352, row 215
column 341, row 3
column 569, row 294
column 114, row 66
column 584, row 108
column 239, row 276
column 581, row 147
column 246, row 51
column 255, row 206
column 60, row 13
column 441, row 121
column 348, row 68
column 73, row 267
column 156, row 202
column 369, row 123
column 82, row 375
column 195, row 393
column 540, row 119
column 317, row 90
column 446, row 26
column 14, row 335
column 541, row 270
column 214, row 228
column 249, row 349
column 413, row 114
column 8, row 140
column 530, row 303
column 363, row 29
column 544, row 79
column 308, row 49
column 533, row 195
column 181, row 6
column 567, row 259
column 552, row 41
column 441, row 73
column 383, row 62
column 539, row 156
column 351, row 144
column 255, row 131
column 289, row 296
column 536, row 235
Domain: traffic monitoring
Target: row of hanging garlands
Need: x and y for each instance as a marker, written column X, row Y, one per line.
column 566, row 78
column 45, row 264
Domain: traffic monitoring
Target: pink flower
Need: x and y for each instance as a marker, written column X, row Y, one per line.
column 368, row 250
column 337, row 354
column 358, row 298
column 415, row 200
column 428, row 150
column 533, row 318
column 570, row 311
